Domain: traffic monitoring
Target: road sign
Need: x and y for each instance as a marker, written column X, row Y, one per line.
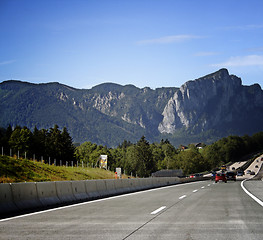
column 118, row 171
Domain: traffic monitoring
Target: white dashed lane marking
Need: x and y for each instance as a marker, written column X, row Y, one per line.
column 182, row 197
column 158, row 210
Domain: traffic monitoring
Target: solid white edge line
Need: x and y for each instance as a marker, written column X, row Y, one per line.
column 250, row 194
column 158, row 210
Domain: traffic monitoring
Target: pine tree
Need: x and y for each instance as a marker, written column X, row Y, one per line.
column 68, row 149
column 144, row 157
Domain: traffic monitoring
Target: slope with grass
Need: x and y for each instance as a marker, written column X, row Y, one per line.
column 23, row 170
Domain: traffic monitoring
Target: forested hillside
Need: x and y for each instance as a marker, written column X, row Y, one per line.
column 137, row 159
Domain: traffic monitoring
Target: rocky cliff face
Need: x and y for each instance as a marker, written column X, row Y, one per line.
column 141, row 107
column 109, row 113
column 210, row 102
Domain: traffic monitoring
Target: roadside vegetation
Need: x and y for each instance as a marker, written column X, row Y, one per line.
column 55, row 147
column 24, row 170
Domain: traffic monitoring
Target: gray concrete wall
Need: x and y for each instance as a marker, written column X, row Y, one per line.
column 16, row 198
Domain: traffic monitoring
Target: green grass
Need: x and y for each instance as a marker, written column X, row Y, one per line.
column 23, row 170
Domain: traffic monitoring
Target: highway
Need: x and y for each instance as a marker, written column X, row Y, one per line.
column 198, row 210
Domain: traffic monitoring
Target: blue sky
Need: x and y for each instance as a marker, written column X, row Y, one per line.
column 154, row 43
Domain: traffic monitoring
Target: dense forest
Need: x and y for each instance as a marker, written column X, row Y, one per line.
column 138, row 159
column 39, row 144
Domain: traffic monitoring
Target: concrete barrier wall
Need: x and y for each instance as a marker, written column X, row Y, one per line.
column 125, row 185
column 47, row 193
column 65, row 192
column 110, row 187
column 20, row 197
column 119, row 186
column 91, row 189
column 137, row 184
column 7, row 204
column 79, row 190
column 25, row 196
column 101, row 188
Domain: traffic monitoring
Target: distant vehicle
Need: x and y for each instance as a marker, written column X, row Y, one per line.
column 198, row 175
column 213, row 175
column 223, row 168
column 252, row 173
column 240, row 173
column 192, row 176
column 220, row 176
column 231, row 176
column 248, row 171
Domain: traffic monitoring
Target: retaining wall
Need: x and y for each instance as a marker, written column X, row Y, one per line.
column 16, row 198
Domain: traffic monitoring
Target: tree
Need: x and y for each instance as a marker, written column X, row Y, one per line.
column 125, row 144
column 4, row 138
column 169, row 153
column 40, row 143
column 130, row 164
column 54, row 143
column 192, row 162
column 158, row 156
column 213, row 155
column 68, row 149
column 21, row 140
column 84, row 150
column 144, row 158
column 258, row 140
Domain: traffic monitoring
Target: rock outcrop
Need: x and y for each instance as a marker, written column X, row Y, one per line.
column 211, row 102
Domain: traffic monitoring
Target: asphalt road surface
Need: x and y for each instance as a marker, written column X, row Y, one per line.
column 199, row 210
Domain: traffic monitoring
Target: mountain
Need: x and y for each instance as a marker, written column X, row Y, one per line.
column 106, row 114
column 217, row 101
column 202, row 110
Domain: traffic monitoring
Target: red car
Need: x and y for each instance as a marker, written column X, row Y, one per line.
column 220, row 176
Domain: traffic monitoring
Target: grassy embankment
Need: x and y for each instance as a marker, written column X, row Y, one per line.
column 23, row 170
